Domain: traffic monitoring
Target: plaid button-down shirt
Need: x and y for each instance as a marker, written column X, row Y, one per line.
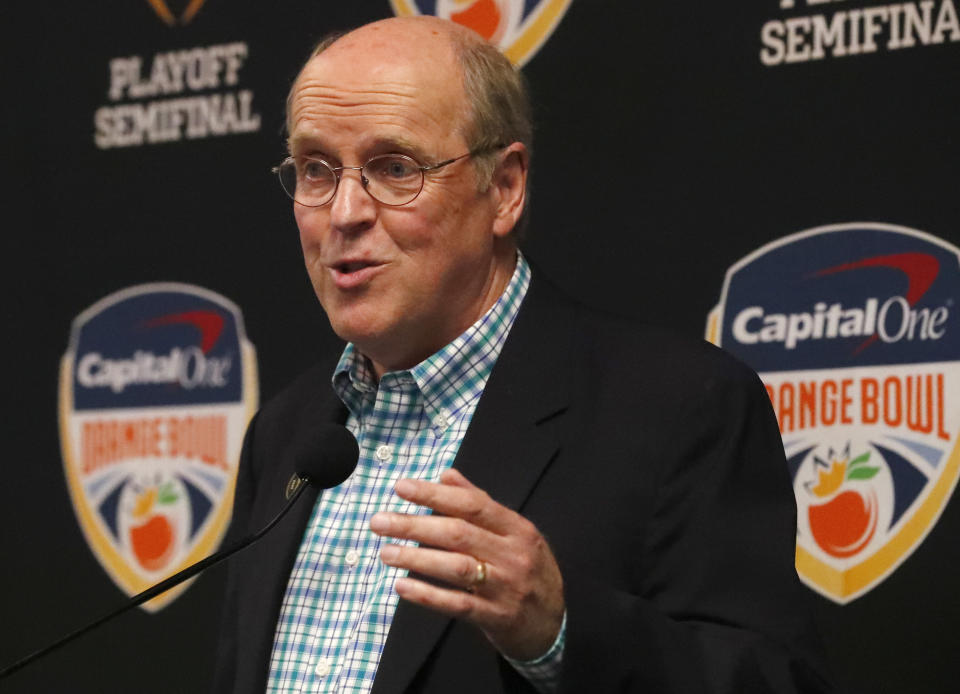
column 340, row 599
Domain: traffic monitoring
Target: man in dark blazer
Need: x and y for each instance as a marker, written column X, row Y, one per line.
column 619, row 500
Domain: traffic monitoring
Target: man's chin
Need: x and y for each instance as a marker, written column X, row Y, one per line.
column 364, row 334
column 353, row 318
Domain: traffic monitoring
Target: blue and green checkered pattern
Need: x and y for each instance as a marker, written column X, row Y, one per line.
column 340, row 599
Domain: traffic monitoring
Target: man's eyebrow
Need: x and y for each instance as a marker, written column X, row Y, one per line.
column 299, row 145
column 308, row 146
column 399, row 144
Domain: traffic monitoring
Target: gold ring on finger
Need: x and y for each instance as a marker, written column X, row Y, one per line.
column 480, row 577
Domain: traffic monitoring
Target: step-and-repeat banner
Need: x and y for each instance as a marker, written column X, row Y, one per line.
column 777, row 176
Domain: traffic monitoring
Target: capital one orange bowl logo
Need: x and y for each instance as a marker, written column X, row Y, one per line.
column 853, row 329
column 517, row 27
column 156, row 389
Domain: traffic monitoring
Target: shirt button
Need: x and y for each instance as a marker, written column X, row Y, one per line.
column 440, row 420
column 384, row 453
column 352, row 557
column 323, row 667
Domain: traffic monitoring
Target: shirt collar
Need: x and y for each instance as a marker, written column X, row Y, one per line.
column 451, row 377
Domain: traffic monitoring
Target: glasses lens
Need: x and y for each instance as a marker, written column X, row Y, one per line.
column 393, row 179
column 311, row 183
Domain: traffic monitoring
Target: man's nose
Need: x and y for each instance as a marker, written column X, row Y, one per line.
column 352, row 208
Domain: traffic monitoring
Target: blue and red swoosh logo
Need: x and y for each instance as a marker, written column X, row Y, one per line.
column 921, row 270
column 209, row 325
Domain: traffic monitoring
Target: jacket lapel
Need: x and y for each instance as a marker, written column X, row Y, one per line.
column 514, row 434
column 267, row 584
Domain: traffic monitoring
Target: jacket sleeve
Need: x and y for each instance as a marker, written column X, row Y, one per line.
column 718, row 607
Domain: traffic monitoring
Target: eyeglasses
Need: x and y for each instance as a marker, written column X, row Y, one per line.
column 391, row 179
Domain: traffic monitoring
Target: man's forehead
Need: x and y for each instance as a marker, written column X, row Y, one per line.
column 390, row 94
column 344, row 83
column 326, row 76
column 353, row 69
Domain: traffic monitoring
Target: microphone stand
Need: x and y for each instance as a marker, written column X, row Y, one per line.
column 161, row 587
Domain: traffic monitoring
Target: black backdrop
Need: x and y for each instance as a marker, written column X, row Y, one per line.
column 665, row 151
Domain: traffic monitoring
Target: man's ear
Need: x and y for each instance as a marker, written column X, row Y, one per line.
column 509, row 187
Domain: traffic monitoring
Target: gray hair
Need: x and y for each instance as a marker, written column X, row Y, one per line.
column 497, row 98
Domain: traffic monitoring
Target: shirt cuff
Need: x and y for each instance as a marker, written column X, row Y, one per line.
column 544, row 672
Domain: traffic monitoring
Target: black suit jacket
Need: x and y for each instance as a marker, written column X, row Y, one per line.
column 654, row 468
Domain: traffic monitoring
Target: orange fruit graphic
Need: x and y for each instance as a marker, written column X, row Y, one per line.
column 845, row 524
column 152, row 542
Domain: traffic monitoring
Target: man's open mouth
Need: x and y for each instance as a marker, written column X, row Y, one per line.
column 352, row 266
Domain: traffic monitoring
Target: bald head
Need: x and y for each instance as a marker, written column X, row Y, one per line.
column 415, row 41
column 424, row 32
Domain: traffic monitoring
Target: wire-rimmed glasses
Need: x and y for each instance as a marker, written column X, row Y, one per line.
column 391, row 179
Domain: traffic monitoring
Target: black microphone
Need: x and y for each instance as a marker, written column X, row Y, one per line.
column 323, row 457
